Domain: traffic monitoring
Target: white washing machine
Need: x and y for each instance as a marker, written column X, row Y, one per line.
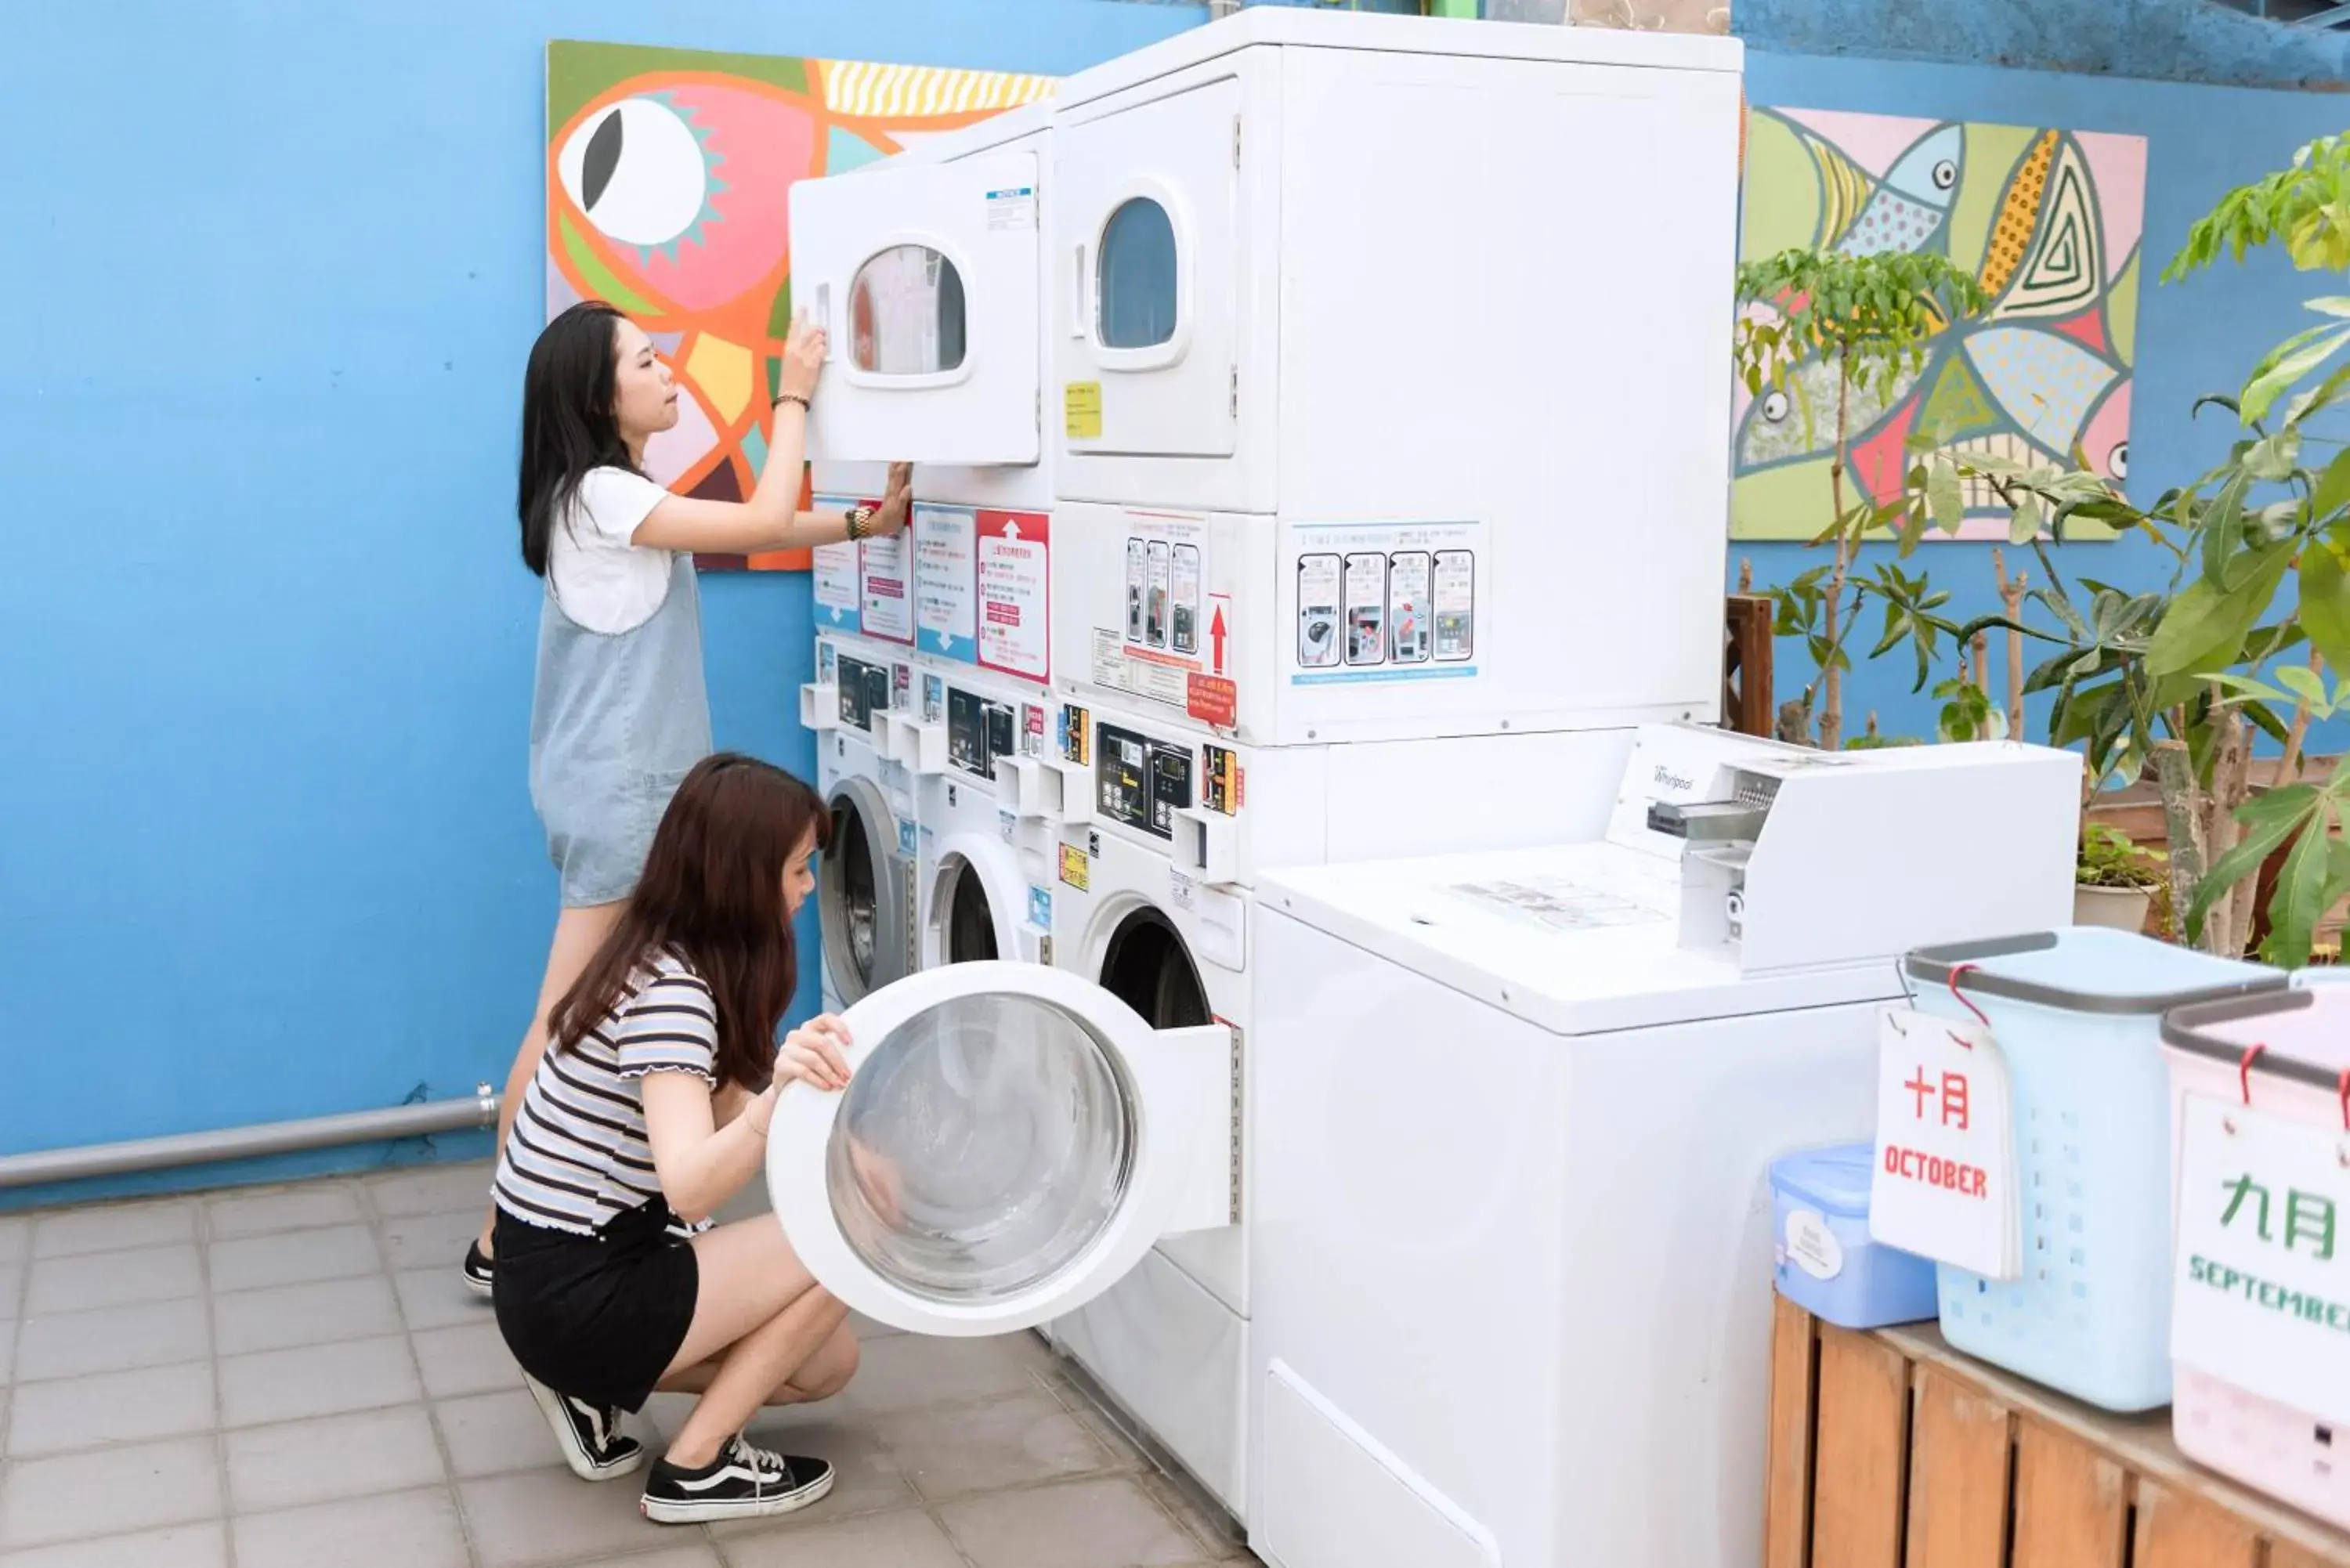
column 927, row 270
column 1324, row 504
column 1511, row 1260
column 985, row 868
column 1358, row 407
column 867, row 890
column 1162, row 837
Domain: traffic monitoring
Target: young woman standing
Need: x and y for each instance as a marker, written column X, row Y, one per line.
column 621, row 713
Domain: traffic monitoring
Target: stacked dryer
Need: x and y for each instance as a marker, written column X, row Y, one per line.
column 930, row 319
column 1381, row 390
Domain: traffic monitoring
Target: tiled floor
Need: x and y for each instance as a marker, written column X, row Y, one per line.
column 294, row 1378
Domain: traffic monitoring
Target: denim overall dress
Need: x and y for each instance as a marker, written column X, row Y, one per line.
column 617, row 721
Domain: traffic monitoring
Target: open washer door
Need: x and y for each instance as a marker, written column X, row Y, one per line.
column 1013, row 1141
column 864, row 893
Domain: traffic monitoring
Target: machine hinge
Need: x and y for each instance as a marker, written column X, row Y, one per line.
column 1239, row 1121
column 1236, row 391
column 1236, row 141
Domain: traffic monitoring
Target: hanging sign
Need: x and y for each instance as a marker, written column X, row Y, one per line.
column 1944, row 1184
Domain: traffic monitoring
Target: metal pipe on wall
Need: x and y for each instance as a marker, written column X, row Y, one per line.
column 44, row 1166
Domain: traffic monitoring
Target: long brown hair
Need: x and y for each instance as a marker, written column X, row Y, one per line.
column 712, row 894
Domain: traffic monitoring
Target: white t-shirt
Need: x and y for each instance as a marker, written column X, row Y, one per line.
column 603, row 582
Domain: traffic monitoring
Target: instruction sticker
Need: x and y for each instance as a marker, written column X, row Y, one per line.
column 886, row 598
column 934, row 699
column 1077, row 867
column 1040, row 908
column 1074, row 731
column 1212, row 700
column 1014, row 207
column 1220, row 789
column 1557, row 904
column 1390, row 601
column 834, row 570
column 1166, row 630
column 946, row 580
column 1015, row 584
column 1081, row 409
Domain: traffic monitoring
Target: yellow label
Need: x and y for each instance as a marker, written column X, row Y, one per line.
column 1076, row 869
column 1081, row 406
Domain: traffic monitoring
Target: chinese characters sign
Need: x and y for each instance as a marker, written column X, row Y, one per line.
column 2261, row 1284
column 1944, row 1185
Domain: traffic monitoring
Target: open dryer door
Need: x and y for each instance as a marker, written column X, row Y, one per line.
column 925, row 277
column 1011, row 1141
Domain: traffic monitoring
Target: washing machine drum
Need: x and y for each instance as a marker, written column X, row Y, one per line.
column 860, row 893
column 981, row 1148
column 1011, row 1141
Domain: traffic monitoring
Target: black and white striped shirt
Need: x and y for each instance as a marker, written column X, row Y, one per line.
column 578, row 1155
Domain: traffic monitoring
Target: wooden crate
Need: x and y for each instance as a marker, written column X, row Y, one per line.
column 1892, row 1450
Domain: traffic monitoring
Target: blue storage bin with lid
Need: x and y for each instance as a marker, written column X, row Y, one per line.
column 2078, row 1014
column 1825, row 1261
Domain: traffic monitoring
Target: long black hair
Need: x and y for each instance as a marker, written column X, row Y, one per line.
column 569, row 423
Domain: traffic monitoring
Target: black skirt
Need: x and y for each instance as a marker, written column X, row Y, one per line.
column 596, row 1317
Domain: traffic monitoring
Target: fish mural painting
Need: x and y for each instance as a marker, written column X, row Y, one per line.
column 2047, row 221
column 668, row 177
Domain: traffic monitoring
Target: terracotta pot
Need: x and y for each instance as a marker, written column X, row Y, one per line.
column 2116, row 909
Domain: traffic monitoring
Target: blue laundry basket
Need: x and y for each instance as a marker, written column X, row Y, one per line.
column 2079, row 1014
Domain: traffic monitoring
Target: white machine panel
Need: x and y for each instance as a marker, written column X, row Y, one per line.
column 1151, row 258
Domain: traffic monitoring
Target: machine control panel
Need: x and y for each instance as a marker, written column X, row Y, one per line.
column 1142, row 781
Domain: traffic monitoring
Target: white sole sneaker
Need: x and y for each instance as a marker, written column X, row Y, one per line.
column 591, row 1438
column 671, row 1505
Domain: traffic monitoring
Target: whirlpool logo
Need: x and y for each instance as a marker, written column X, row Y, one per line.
column 1667, row 779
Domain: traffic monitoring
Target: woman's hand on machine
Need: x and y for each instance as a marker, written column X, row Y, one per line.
column 803, row 359
column 812, row 1053
column 897, row 501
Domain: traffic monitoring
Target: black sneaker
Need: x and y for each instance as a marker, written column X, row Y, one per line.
column 477, row 1268
column 741, row 1483
column 589, row 1435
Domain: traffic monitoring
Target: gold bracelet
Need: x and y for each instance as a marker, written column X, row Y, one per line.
column 859, row 516
column 782, row 398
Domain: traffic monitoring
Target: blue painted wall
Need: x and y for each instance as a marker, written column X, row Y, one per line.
column 266, row 842
column 2168, row 40
column 2193, row 338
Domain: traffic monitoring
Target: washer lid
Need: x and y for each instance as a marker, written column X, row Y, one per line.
column 1013, row 1141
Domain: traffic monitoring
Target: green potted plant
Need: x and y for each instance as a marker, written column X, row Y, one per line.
column 1867, row 317
column 2186, row 679
column 2114, row 884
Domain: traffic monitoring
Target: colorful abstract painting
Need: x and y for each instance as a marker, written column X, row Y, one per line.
column 2047, row 221
column 667, row 177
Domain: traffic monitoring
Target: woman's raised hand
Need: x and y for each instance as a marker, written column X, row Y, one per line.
column 897, row 501
column 803, row 353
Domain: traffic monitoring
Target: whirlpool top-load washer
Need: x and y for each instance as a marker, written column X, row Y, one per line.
column 1511, row 1259
column 1161, row 838
column 865, row 889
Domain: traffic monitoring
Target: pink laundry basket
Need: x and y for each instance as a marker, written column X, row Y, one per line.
column 2304, row 1036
